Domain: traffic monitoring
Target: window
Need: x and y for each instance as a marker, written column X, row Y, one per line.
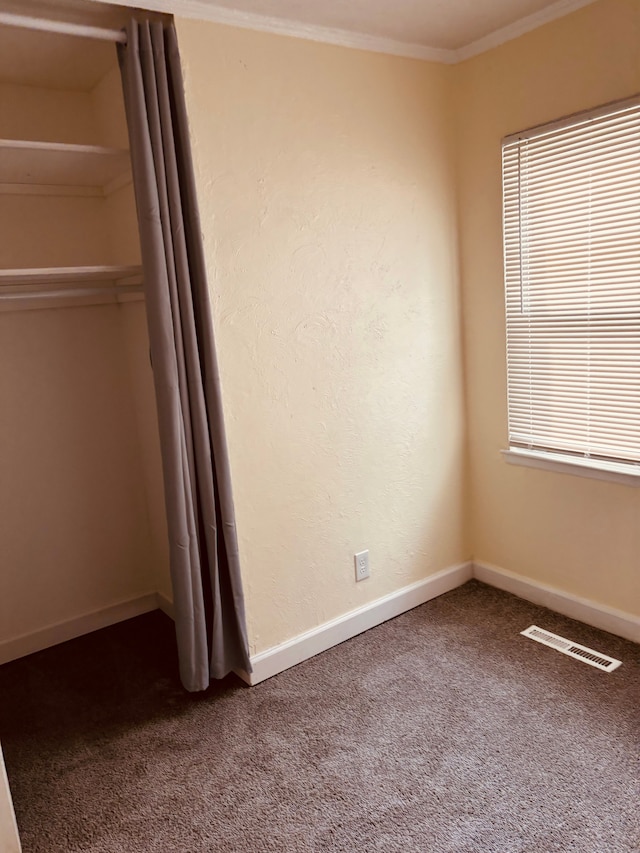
column 571, row 193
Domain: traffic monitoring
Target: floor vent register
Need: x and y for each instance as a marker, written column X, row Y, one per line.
column 574, row 650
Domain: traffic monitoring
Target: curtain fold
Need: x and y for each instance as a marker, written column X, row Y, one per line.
column 205, row 570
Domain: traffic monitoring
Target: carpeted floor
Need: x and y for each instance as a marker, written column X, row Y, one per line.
column 442, row 731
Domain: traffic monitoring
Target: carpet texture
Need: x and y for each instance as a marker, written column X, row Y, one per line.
column 441, row 731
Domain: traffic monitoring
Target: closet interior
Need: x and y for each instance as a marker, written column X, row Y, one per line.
column 83, row 531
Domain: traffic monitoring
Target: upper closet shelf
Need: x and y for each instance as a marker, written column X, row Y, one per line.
column 51, row 164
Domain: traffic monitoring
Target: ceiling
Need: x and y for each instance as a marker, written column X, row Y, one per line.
column 440, row 24
column 444, row 30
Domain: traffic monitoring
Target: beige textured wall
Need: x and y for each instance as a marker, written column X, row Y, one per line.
column 72, row 513
column 30, row 112
column 580, row 535
column 42, row 231
column 327, row 183
column 107, row 110
column 134, row 328
column 326, row 189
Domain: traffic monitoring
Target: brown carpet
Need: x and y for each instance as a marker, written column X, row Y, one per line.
column 442, row 731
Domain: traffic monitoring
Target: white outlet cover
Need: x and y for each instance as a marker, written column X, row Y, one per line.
column 361, row 561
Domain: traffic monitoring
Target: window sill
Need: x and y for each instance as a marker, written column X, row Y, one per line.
column 567, row 465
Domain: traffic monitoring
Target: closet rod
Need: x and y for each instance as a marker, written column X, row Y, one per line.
column 42, row 24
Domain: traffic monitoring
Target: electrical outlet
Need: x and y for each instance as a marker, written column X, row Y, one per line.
column 361, row 561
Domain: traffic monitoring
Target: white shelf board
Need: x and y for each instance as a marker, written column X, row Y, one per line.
column 67, row 275
column 60, row 164
column 68, row 299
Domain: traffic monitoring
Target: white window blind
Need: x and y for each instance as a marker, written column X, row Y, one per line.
column 571, row 195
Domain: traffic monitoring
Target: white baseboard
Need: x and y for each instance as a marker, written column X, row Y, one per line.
column 307, row 645
column 590, row 612
column 26, row 644
column 165, row 604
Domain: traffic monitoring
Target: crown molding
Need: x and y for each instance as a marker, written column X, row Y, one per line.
column 312, row 32
column 518, row 28
column 204, row 11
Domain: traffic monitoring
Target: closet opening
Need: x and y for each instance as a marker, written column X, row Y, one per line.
column 82, row 515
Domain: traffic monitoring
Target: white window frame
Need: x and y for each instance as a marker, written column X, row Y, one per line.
column 538, row 455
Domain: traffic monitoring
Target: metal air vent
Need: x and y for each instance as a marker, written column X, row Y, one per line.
column 574, row 650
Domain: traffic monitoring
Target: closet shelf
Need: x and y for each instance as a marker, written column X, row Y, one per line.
column 63, row 287
column 61, row 164
column 68, row 275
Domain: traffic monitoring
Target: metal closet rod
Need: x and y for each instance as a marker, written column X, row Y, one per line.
column 10, row 20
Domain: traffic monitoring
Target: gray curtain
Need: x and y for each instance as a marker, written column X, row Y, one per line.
column 205, row 572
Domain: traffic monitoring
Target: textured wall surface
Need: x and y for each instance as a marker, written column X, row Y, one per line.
column 72, row 514
column 580, row 535
column 140, row 382
column 31, row 112
column 326, row 188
